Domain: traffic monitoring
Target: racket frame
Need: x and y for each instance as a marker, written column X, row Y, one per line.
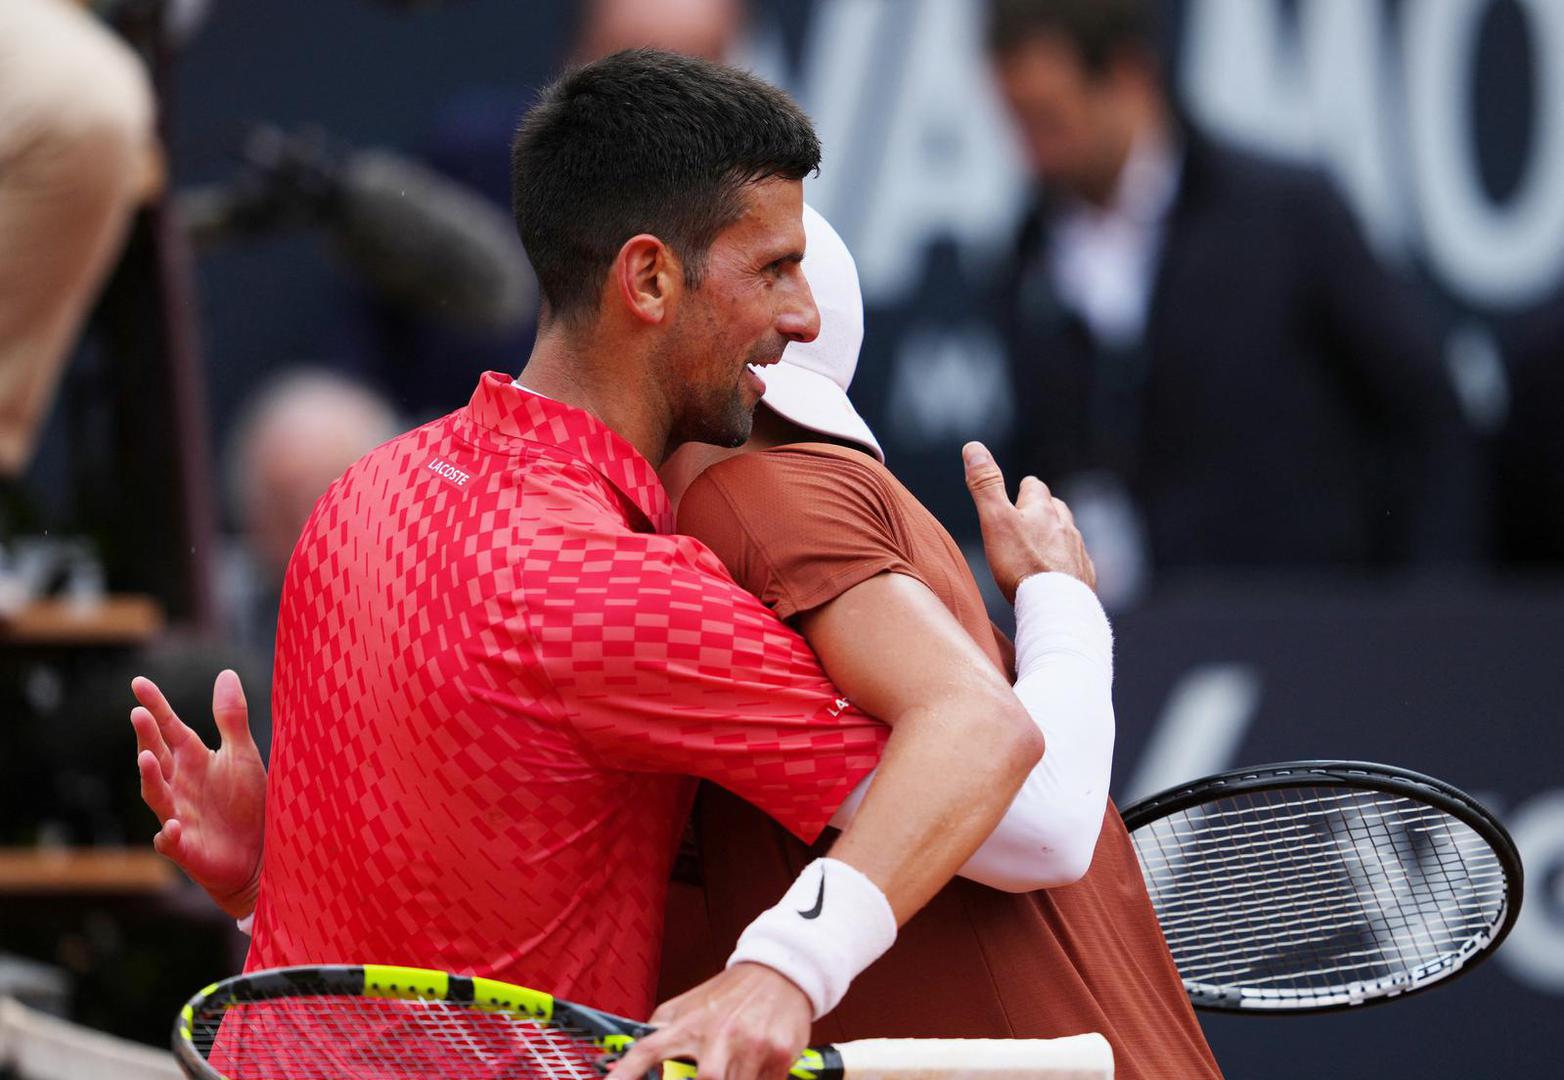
column 1348, row 775
column 614, row 1034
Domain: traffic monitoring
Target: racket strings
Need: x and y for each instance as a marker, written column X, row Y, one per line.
column 359, row 1038
column 1318, row 894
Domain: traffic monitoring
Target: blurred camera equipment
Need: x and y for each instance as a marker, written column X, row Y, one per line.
column 415, row 238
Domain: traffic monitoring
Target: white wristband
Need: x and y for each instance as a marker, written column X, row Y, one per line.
column 830, row 925
column 246, row 924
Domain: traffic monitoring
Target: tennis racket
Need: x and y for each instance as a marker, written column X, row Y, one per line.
column 357, row 1023
column 1317, row 885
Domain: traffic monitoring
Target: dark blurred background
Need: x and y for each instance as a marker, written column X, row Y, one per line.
column 1272, row 291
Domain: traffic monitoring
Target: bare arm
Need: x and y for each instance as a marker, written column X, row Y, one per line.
column 961, row 744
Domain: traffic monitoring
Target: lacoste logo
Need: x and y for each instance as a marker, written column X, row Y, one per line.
column 814, row 912
column 448, row 472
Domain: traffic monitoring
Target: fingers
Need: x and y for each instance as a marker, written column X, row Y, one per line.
column 167, row 842
column 984, row 480
column 173, row 730
column 1063, row 510
column 643, row 1056
column 1033, row 491
column 155, row 789
column 230, row 709
column 150, row 739
column 732, row 1053
column 667, row 1012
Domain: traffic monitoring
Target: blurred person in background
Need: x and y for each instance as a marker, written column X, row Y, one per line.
column 302, row 430
column 1208, row 362
column 77, row 154
column 708, row 29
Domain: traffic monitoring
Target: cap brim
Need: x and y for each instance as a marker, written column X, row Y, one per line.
column 813, row 401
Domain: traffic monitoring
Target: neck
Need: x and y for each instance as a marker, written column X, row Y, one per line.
column 567, row 366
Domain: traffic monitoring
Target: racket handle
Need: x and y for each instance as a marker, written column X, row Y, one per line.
column 1075, row 1057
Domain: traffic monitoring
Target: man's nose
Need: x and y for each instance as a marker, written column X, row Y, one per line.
column 799, row 319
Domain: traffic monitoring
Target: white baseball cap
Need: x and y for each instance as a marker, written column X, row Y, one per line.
column 809, row 386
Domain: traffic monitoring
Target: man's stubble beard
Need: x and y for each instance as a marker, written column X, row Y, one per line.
column 721, row 420
column 720, row 416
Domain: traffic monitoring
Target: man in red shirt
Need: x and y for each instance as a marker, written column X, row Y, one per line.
column 496, row 670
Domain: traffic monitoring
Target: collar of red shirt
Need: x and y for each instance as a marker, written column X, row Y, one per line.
column 506, row 409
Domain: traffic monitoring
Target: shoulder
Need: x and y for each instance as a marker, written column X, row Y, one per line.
column 793, row 468
column 1236, row 177
column 799, row 484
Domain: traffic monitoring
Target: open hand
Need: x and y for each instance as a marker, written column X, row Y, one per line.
column 211, row 803
column 748, row 1023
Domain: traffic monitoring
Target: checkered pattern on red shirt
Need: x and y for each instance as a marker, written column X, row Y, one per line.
column 493, row 679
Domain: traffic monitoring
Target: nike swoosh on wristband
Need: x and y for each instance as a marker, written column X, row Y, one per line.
column 814, row 912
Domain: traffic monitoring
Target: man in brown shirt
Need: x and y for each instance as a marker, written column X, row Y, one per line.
column 802, row 522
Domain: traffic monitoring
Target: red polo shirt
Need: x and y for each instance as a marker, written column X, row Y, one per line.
column 495, row 673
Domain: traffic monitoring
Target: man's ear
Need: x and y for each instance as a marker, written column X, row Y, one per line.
column 647, row 277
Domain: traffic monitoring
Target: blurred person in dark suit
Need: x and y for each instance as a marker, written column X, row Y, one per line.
column 1209, row 363
column 708, row 29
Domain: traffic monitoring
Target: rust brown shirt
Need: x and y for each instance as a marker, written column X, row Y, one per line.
column 797, row 526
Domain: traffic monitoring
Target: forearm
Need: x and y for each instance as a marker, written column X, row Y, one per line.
column 945, row 781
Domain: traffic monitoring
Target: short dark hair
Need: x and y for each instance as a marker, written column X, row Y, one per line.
column 1096, row 29
column 645, row 141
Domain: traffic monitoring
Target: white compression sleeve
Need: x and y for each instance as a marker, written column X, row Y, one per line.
column 1064, row 662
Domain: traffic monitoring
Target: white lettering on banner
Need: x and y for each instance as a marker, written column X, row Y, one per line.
column 1478, row 374
column 1534, row 951
column 1209, row 711
column 1325, row 91
column 1322, row 94
column 949, row 385
column 1506, row 254
column 916, row 145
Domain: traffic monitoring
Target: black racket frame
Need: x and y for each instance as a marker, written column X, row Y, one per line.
column 1350, row 775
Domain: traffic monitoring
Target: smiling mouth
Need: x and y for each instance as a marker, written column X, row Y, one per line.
column 757, row 367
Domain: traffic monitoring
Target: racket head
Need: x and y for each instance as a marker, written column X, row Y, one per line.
column 350, row 1021
column 1316, row 886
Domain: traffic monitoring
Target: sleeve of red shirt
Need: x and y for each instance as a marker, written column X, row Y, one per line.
column 663, row 664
